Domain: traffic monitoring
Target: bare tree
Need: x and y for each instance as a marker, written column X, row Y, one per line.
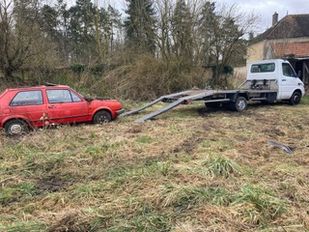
column 19, row 33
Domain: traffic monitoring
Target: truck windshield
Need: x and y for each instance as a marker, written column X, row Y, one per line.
column 263, row 68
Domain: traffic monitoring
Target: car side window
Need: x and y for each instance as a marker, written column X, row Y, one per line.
column 27, row 98
column 75, row 97
column 59, row 96
column 288, row 71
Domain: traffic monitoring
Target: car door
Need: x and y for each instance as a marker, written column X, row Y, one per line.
column 65, row 106
column 29, row 104
column 288, row 81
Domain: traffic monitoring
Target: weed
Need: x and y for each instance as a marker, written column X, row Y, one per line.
column 190, row 196
column 144, row 139
column 11, row 194
column 259, row 205
column 145, row 221
column 25, row 226
column 221, row 166
column 164, row 168
column 305, row 100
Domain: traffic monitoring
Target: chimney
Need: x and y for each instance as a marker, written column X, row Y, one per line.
column 275, row 18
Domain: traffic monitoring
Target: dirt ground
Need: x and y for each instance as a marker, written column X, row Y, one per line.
column 190, row 170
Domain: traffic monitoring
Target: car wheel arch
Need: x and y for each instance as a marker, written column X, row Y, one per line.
column 7, row 120
column 103, row 109
column 18, row 121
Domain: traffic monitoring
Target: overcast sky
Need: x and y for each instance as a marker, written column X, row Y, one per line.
column 264, row 9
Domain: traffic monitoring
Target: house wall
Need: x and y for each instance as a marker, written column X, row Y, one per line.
column 256, row 52
column 269, row 49
column 296, row 47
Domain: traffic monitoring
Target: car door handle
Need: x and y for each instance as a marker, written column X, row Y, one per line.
column 51, row 107
column 283, row 79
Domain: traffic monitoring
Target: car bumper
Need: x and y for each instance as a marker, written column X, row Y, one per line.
column 119, row 112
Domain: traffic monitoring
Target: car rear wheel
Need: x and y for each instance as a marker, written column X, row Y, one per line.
column 16, row 127
column 102, row 117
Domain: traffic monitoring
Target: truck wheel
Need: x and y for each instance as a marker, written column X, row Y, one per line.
column 16, row 127
column 296, row 98
column 240, row 104
column 102, row 117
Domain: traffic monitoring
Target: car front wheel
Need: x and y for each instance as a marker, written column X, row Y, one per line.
column 16, row 127
column 102, row 117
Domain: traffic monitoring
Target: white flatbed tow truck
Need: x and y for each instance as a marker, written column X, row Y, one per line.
column 268, row 81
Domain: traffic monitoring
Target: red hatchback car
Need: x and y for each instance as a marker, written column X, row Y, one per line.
column 24, row 108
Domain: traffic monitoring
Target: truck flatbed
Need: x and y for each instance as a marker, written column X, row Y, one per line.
column 208, row 96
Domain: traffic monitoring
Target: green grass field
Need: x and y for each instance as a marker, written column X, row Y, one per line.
column 190, row 170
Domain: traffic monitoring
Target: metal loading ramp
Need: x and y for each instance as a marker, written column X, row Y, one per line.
column 174, row 99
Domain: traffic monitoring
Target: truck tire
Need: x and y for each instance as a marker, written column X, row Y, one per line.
column 239, row 105
column 16, row 127
column 296, row 98
column 102, row 117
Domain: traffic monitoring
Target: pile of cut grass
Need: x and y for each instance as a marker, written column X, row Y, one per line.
column 187, row 171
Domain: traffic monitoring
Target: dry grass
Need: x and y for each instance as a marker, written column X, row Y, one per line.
column 188, row 171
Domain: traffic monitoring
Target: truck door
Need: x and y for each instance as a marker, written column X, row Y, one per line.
column 288, row 81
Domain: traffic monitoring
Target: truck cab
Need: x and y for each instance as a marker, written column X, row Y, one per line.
column 282, row 76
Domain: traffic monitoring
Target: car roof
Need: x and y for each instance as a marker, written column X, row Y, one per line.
column 38, row 87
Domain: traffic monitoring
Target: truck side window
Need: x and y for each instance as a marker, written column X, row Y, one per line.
column 288, row 71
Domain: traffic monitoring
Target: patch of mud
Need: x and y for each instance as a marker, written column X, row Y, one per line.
column 54, row 183
column 189, row 145
column 135, row 129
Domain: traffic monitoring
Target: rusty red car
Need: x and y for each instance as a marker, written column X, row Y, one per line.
column 22, row 109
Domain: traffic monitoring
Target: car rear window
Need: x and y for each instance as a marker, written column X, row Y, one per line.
column 263, row 68
column 27, row 98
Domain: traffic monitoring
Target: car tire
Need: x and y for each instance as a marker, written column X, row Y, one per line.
column 239, row 105
column 16, row 127
column 102, row 117
column 296, row 98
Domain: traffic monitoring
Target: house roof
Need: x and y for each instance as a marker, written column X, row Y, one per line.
column 291, row 26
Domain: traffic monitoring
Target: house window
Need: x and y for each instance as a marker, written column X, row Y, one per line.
column 263, row 68
column 27, row 98
column 288, row 71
